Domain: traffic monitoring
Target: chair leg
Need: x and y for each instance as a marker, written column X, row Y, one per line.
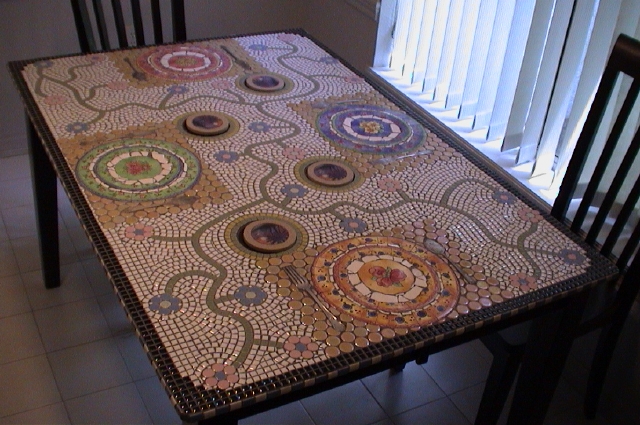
column 420, row 359
column 397, row 369
column 45, row 188
column 502, row 374
column 605, row 348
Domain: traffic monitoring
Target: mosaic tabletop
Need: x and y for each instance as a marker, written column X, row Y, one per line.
column 211, row 166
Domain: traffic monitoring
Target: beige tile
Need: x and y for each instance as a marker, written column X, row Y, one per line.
column 119, row 405
column 13, row 297
column 88, row 368
column 52, row 414
column 28, row 384
column 20, row 337
column 73, row 287
column 71, row 324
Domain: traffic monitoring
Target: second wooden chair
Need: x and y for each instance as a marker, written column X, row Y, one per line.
column 102, row 17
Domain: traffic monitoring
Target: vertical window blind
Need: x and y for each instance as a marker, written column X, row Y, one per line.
column 520, row 71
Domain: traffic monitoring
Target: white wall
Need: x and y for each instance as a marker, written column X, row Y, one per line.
column 38, row 28
column 28, row 29
column 342, row 28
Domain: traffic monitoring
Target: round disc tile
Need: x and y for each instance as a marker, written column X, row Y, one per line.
column 330, row 173
column 264, row 82
column 206, row 124
column 269, row 235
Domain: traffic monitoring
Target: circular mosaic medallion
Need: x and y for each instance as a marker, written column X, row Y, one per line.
column 269, row 235
column 206, row 124
column 138, row 170
column 184, row 63
column 330, row 173
column 264, row 82
column 370, row 129
column 386, row 281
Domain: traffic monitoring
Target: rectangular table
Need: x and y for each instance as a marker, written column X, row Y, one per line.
column 201, row 170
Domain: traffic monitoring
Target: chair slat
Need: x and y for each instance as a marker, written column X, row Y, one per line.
column 83, row 26
column 101, row 22
column 583, row 145
column 611, row 306
column 157, row 21
column 621, row 221
column 118, row 18
column 630, row 248
column 630, row 202
column 179, row 21
column 137, row 22
column 605, row 163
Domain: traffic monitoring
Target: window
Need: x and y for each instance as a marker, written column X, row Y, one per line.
column 515, row 75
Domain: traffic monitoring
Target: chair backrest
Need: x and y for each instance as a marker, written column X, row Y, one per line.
column 86, row 13
column 606, row 187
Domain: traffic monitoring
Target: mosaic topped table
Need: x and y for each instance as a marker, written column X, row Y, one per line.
column 200, row 171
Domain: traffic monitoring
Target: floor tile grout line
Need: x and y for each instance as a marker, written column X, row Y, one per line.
column 374, row 397
column 38, row 408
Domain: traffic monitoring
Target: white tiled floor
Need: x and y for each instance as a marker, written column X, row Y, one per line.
column 68, row 355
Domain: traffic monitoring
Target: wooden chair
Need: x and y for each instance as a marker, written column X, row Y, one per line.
column 88, row 12
column 601, row 218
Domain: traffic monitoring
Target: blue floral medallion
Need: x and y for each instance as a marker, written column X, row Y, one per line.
column 370, row 129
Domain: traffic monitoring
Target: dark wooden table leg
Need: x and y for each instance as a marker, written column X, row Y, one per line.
column 548, row 345
column 45, row 198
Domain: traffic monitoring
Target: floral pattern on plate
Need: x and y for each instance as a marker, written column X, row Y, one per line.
column 386, row 281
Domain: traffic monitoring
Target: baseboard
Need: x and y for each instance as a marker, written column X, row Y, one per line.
column 369, row 8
